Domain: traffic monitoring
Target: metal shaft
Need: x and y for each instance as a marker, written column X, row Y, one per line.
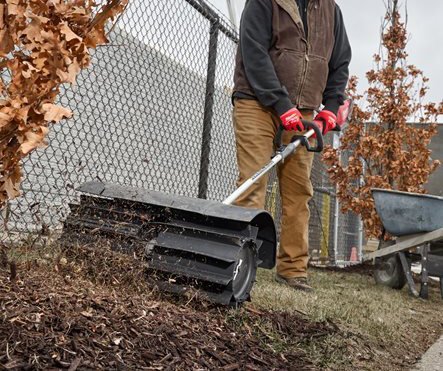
column 280, row 156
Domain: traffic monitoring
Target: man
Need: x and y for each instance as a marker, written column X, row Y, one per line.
column 293, row 56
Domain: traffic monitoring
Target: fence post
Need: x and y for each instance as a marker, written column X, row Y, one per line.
column 209, row 110
column 360, row 238
column 336, row 144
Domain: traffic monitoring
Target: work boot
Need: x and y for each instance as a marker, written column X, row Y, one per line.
column 297, row 283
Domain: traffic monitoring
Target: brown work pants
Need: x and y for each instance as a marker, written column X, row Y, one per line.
column 255, row 128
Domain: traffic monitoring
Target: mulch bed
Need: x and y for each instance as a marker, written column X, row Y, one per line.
column 53, row 316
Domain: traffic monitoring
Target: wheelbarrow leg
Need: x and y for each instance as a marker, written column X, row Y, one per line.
column 407, row 272
column 424, row 289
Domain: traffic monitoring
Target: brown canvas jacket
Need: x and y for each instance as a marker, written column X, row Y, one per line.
column 300, row 62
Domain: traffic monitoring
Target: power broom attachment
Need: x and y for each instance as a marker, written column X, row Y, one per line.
column 207, row 245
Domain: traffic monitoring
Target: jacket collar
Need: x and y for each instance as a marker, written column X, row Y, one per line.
column 291, row 8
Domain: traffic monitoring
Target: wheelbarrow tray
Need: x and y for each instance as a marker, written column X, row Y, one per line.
column 406, row 213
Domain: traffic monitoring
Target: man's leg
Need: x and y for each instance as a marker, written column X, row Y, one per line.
column 254, row 132
column 296, row 191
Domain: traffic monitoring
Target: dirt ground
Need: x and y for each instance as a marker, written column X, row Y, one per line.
column 79, row 313
column 92, row 309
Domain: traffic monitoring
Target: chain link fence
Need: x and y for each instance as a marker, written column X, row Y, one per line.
column 154, row 111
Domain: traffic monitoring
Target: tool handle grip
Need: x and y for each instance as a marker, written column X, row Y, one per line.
column 318, row 136
column 304, row 138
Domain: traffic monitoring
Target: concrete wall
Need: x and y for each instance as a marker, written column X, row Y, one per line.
column 435, row 184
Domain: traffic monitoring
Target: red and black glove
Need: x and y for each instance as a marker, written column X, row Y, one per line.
column 291, row 120
column 328, row 120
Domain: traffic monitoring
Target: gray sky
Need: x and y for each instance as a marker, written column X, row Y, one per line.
column 363, row 20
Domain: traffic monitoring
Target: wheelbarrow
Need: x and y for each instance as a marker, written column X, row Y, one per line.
column 416, row 223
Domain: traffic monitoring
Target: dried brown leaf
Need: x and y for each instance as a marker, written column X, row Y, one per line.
column 34, row 139
column 55, row 113
column 6, row 42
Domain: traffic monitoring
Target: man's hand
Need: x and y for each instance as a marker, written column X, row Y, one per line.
column 291, row 120
column 327, row 119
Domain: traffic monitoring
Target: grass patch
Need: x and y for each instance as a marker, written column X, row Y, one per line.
column 378, row 323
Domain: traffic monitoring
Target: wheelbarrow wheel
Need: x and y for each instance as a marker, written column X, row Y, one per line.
column 389, row 272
